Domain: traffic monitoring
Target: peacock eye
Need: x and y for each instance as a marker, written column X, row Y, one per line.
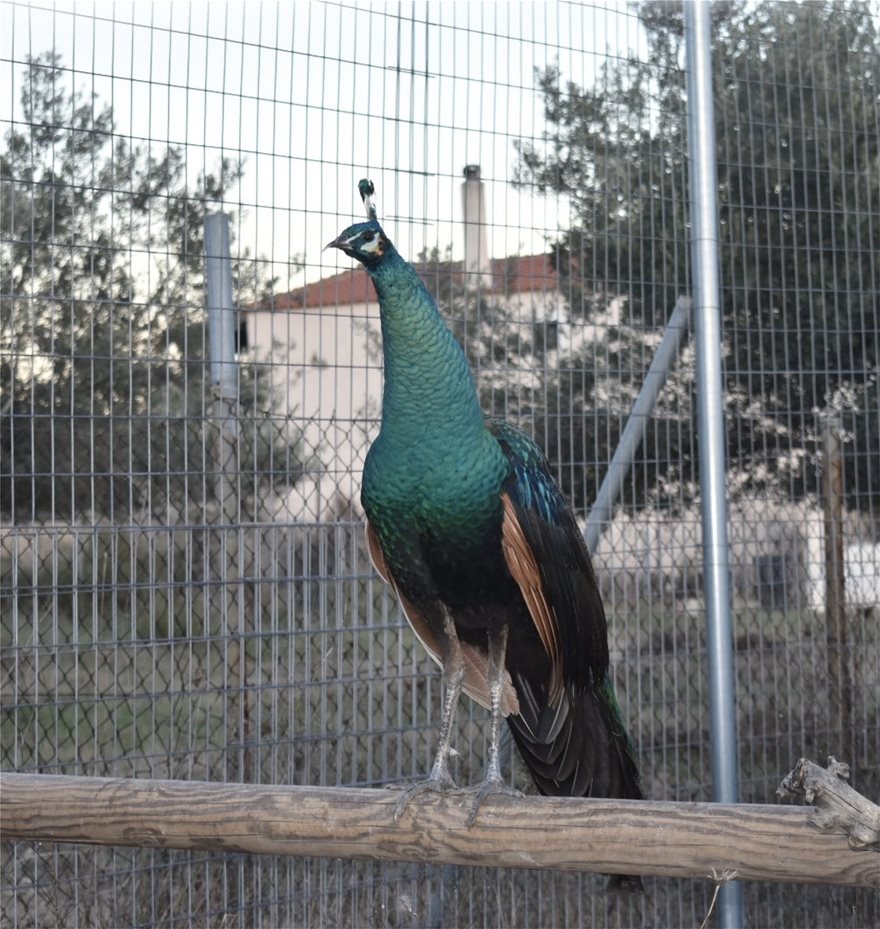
column 369, row 236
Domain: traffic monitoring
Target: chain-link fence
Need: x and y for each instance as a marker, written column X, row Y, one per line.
column 185, row 590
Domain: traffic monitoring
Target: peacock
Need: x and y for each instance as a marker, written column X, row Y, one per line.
column 468, row 527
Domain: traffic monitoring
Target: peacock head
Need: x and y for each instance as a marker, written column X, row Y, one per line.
column 364, row 241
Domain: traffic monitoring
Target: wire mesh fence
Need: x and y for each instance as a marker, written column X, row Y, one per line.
column 169, row 610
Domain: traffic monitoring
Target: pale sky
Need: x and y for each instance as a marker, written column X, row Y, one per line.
column 316, row 95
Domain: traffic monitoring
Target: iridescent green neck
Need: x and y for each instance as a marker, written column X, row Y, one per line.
column 428, row 384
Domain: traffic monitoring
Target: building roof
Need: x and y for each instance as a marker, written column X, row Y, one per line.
column 519, row 274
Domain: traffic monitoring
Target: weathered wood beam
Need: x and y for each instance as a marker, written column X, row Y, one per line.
column 837, row 807
column 697, row 840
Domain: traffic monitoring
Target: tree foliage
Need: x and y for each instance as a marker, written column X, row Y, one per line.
column 102, row 326
column 798, row 150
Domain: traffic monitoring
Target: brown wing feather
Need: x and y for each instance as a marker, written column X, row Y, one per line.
column 524, row 569
column 476, row 661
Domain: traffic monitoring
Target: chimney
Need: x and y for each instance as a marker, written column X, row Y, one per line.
column 477, row 268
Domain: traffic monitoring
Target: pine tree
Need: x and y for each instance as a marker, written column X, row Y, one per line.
column 105, row 382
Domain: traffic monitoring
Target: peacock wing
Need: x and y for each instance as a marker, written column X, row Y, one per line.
column 569, row 732
column 546, row 555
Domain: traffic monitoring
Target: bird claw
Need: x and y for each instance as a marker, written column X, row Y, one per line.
column 490, row 787
column 440, row 784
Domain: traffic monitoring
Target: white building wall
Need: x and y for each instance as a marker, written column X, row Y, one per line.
column 327, row 374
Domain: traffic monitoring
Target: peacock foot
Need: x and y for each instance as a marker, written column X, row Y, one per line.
column 489, row 787
column 440, row 783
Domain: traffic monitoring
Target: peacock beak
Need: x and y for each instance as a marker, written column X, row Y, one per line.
column 336, row 243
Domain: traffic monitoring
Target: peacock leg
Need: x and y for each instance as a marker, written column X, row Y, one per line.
column 493, row 782
column 440, row 780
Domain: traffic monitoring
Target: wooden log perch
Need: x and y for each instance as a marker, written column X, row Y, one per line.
column 837, row 807
column 775, row 843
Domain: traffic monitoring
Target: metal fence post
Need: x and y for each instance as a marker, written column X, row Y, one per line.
column 227, row 549
column 224, row 370
column 707, row 312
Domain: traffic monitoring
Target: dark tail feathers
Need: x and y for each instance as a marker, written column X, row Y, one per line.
column 580, row 749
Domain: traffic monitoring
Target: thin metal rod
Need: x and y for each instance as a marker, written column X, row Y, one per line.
column 710, row 424
column 839, row 677
column 634, row 432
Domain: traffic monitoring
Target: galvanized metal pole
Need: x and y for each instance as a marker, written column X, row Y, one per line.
column 221, row 351
column 221, row 311
column 227, row 554
column 710, row 420
column 634, row 432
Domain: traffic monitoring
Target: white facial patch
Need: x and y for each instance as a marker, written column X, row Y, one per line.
column 373, row 247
